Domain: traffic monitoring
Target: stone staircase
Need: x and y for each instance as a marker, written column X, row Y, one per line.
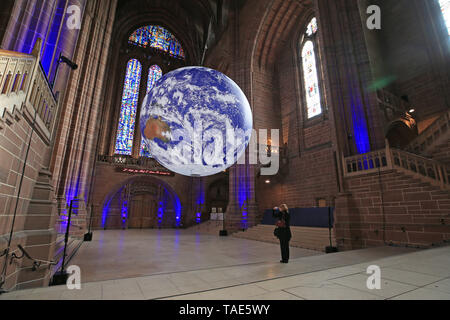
column 433, row 139
column 441, row 153
column 399, row 197
column 72, row 247
column 211, row 227
column 434, row 142
column 392, row 207
column 393, row 197
column 427, row 170
column 302, row 237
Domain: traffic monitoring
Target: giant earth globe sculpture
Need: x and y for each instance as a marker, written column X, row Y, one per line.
column 196, row 121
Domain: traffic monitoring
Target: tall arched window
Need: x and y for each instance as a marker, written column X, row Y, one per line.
column 130, row 97
column 154, row 74
column 310, row 73
column 161, row 42
column 445, row 7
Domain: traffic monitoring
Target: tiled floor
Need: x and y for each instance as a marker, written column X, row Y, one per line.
column 118, row 254
column 200, row 267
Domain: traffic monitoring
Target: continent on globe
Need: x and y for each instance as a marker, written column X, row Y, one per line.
column 157, row 128
column 196, row 121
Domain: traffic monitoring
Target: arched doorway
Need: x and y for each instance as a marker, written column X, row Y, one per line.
column 142, row 203
column 217, row 195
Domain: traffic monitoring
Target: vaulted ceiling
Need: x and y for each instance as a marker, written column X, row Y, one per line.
column 193, row 22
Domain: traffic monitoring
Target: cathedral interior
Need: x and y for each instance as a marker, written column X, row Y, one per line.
column 359, row 91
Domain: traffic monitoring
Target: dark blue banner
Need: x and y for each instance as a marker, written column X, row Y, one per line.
column 305, row 217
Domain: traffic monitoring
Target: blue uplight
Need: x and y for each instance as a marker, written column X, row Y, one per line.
column 160, row 212
column 50, row 45
column 177, row 211
column 105, row 212
column 243, row 190
column 360, row 128
column 200, row 202
column 124, row 213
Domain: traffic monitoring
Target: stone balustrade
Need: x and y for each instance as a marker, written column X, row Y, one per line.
column 24, row 86
column 120, row 160
column 388, row 159
column 431, row 136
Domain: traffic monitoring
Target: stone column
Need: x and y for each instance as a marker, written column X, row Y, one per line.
column 242, row 209
column 198, row 199
column 6, row 13
column 358, row 121
column 76, row 150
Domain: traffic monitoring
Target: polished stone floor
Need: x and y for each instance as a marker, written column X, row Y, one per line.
column 202, row 267
column 118, row 254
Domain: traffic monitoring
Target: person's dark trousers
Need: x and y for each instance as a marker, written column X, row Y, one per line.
column 284, row 244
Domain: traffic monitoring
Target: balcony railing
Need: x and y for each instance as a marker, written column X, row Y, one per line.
column 366, row 163
column 24, row 86
column 15, row 72
column 431, row 135
column 119, row 160
column 42, row 99
column 388, row 159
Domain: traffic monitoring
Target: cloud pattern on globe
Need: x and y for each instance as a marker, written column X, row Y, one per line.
column 196, row 121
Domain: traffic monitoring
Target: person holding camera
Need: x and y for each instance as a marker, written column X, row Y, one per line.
column 283, row 230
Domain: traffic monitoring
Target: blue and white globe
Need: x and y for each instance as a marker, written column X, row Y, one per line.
column 196, row 121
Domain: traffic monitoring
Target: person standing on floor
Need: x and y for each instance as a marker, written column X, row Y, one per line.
column 283, row 230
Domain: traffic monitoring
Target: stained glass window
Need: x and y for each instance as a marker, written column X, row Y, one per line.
column 311, row 80
column 445, row 7
column 159, row 38
column 312, row 27
column 310, row 74
column 154, row 74
column 130, row 96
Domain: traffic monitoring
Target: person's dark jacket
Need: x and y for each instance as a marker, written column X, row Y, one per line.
column 284, row 233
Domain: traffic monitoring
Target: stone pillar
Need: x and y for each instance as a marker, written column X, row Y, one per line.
column 75, row 149
column 198, row 200
column 347, row 223
column 5, row 16
column 242, row 209
column 346, row 63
